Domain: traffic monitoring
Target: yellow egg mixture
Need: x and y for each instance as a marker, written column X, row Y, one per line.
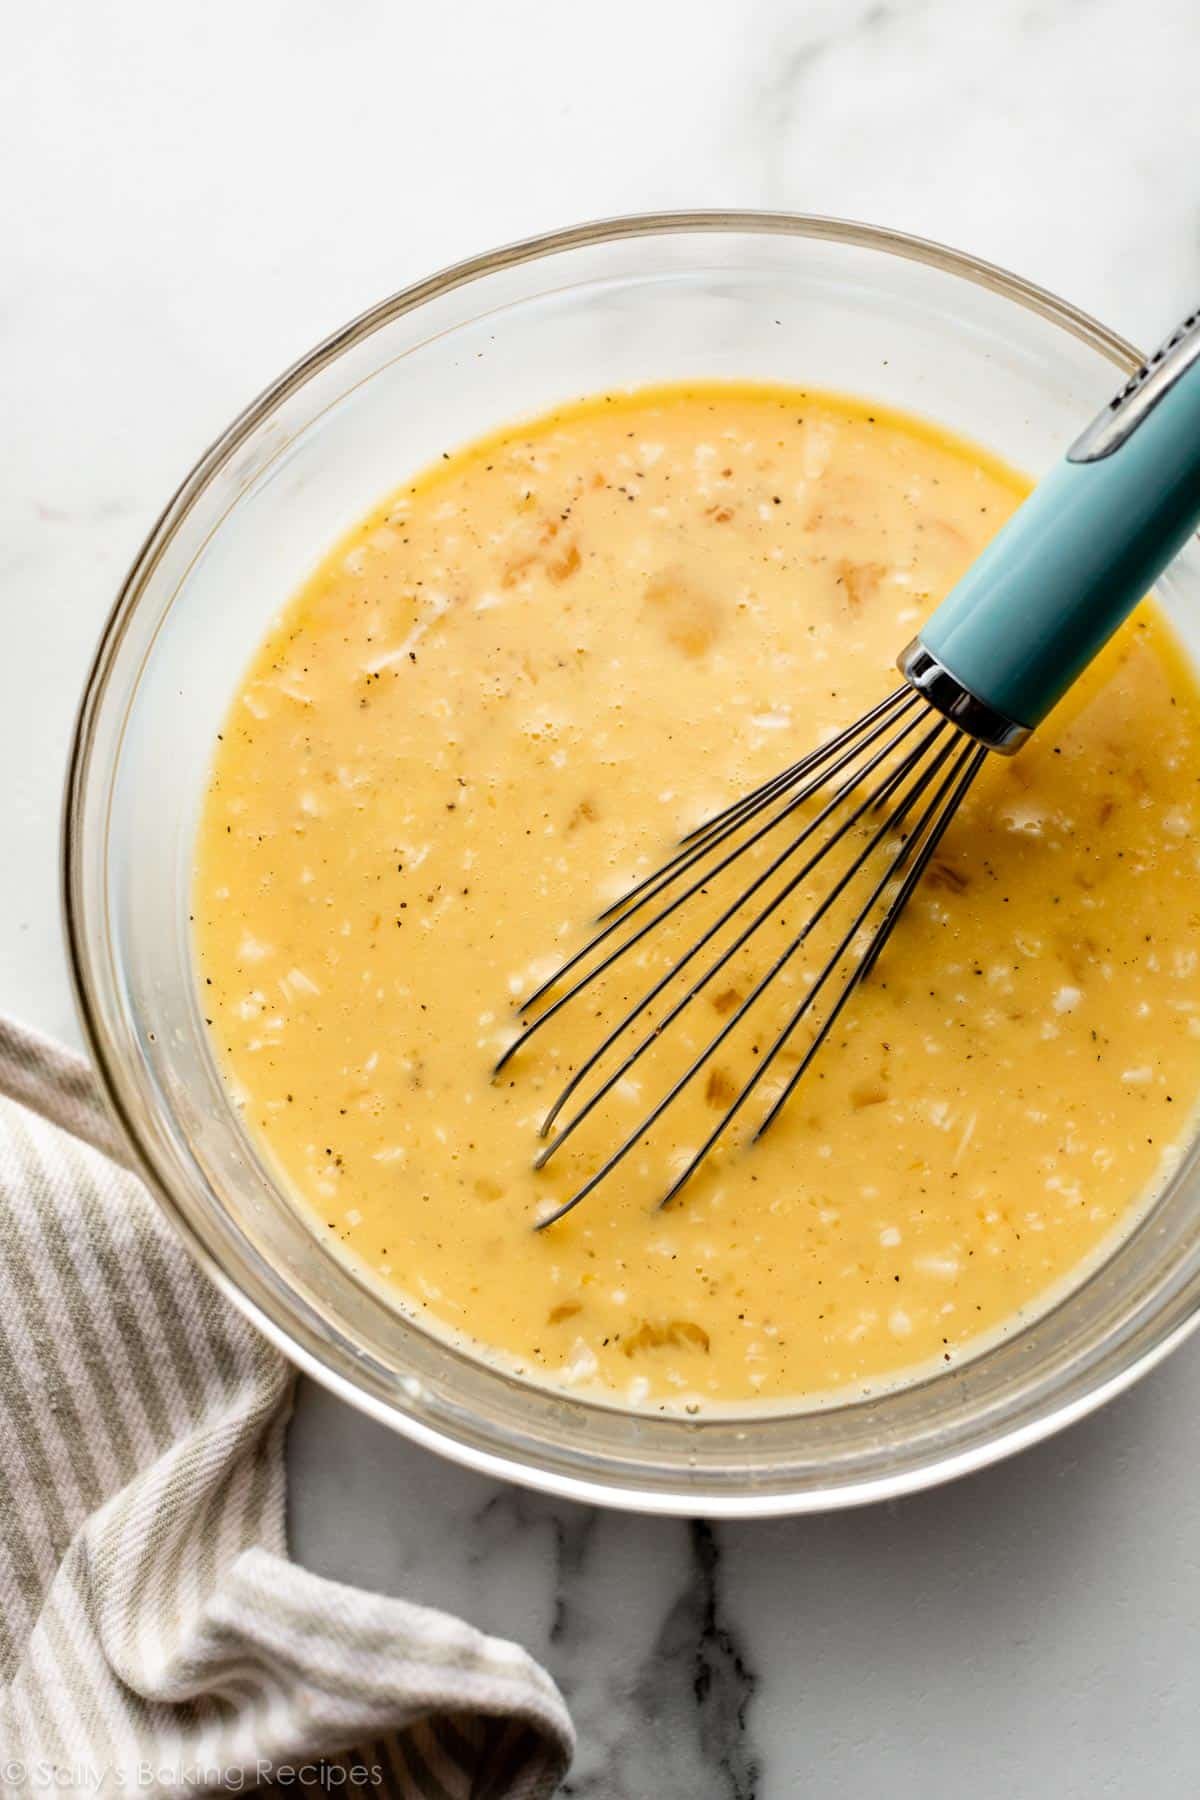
column 504, row 696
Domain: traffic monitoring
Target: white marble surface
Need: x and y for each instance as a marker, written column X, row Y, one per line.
column 191, row 196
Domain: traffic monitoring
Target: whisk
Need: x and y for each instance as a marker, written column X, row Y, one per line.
column 1004, row 645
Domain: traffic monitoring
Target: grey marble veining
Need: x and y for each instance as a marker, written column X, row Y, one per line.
column 1033, row 1627
column 1052, row 136
column 632, row 1616
column 197, row 194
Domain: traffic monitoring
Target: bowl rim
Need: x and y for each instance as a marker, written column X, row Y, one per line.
column 607, row 1491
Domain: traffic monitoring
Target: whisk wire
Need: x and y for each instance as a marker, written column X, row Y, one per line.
column 663, row 877
column 964, row 770
column 923, row 776
column 874, row 799
column 970, row 761
column 899, row 699
column 890, row 825
column 706, row 836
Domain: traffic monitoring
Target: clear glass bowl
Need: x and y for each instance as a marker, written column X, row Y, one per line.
column 612, row 304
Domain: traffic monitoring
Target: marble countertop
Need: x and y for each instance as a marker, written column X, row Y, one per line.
column 194, row 196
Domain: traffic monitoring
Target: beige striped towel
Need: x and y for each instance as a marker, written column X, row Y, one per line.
column 154, row 1637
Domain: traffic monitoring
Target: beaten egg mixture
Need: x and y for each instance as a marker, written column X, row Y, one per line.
column 499, row 700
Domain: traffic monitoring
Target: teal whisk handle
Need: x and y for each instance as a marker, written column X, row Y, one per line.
column 1072, row 562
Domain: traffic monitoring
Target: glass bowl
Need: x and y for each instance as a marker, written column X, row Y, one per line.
column 804, row 300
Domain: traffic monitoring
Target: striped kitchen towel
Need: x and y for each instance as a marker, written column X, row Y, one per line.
column 153, row 1635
